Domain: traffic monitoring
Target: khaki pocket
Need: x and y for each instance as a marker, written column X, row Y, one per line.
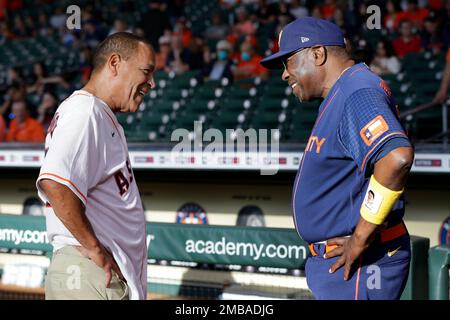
column 118, row 289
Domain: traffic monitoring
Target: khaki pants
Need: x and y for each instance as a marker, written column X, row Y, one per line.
column 72, row 276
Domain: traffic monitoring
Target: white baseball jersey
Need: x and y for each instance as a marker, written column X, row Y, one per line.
column 86, row 151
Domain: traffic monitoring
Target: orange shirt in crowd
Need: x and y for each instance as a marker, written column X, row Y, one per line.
column 2, row 128
column 252, row 66
column 416, row 17
column 29, row 131
column 392, row 21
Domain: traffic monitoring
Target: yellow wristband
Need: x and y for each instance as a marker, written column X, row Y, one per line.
column 378, row 202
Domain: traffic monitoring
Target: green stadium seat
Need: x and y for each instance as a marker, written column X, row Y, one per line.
column 237, row 92
column 175, row 94
column 298, row 134
column 234, row 103
column 266, row 120
column 272, row 104
column 278, row 91
column 208, row 92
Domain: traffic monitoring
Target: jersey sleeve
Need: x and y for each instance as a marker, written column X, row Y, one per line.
column 367, row 124
column 72, row 152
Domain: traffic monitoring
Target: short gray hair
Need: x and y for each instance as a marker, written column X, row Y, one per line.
column 122, row 43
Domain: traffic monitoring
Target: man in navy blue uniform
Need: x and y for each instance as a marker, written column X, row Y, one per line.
column 348, row 194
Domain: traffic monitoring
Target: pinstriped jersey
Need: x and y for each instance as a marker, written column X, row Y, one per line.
column 86, row 150
column 356, row 121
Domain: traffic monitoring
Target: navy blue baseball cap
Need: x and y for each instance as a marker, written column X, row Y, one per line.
column 304, row 33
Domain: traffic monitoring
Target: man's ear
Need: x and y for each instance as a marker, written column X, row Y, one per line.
column 320, row 55
column 113, row 63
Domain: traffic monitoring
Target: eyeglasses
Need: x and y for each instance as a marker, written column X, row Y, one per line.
column 286, row 61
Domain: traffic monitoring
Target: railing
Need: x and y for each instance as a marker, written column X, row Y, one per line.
column 407, row 115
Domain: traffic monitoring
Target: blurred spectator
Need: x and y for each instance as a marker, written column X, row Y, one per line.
column 431, row 36
column 175, row 9
column 178, row 57
column 407, row 42
column 441, row 95
column 15, row 92
column 5, row 33
column 20, row 30
column 284, row 13
column 91, row 35
column 415, row 14
column 339, row 19
column 297, row 10
column 43, row 81
column 249, row 66
column 181, row 30
column 361, row 15
column 23, row 128
column 39, row 75
column 385, row 62
column 2, row 128
column 393, row 16
column 86, row 64
column 221, row 66
column 195, row 54
column 328, row 8
column 266, row 13
column 46, row 109
column 120, row 25
column 30, row 26
column 14, row 76
column 163, row 53
column 360, row 51
column 58, row 18
column 69, row 38
column 243, row 26
column 44, row 27
column 316, row 12
column 217, row 30
column 155, row 21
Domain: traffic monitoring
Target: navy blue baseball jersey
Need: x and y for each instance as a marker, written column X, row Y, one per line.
column 356, row 123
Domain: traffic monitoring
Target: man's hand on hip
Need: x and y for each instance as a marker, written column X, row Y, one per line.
column 71, row 211
column 102, row 258
column 349, row 249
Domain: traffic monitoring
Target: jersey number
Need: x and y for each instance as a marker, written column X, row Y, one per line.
column 122, row 183
column 51, row 128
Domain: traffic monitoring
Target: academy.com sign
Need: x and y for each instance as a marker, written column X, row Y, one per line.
column 245, row 249
column 18, row 237
column 265, row 247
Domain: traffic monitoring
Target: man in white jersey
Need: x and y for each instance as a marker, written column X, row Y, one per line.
column 95, row 219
